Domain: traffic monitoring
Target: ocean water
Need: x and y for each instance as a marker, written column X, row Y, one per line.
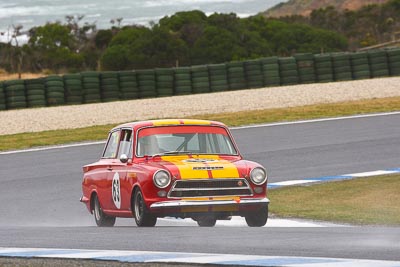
column 30, row 13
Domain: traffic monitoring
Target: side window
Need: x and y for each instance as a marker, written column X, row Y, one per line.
column 224, row 144
column 112, row 146
column 125, row 145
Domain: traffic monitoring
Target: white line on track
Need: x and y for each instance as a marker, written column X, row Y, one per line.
column 241, row 222
column 232, row 128
column 199, row 258
column 51, row 147
column 334, row 178
column 317, row 120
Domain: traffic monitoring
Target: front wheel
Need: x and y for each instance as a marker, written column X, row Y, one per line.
column 258, row 218
column 142, row 217
column 206, row 221
column 100, row 217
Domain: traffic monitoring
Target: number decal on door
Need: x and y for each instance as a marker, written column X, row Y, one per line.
column 116, row 190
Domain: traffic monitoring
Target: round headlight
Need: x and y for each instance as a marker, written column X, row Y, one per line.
column 161, row 179
column 258, row 175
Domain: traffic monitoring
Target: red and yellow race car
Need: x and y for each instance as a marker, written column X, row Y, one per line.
column 175, row 168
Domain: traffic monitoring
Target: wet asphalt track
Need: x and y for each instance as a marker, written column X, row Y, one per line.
column 39, row 193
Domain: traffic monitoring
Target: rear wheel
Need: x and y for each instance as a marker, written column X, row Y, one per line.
column 142, row 217
column 258, row 218
column 206, row 221
column 100, row 217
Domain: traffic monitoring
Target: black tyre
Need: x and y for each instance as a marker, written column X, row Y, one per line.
column 222, row 77
column 269, row 60
column 325, row 77
column 289, row 73
column 183, row 90
column 129, row 95
column 342, row 69
column 257, row 219
column 165, row 78
column 345, row 76
column 37, row 103
column 206, row 221
column 380, row 73
column 94, row 80
column 101, row 219
column 272, row 82
column 322, row 65
column 219, row 88
column 395, row 72
column 142, row 217
column 393, row 59
column 271, row 73
column 289, row 80
column 270, row 67
column 218, row 82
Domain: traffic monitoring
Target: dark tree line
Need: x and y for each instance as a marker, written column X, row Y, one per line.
column 192, row 38
column 185, row 38
column 370, row 25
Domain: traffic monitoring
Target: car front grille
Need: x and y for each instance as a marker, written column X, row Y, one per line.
column 210, row 188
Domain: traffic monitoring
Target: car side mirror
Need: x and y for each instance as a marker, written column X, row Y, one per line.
column 123, row 158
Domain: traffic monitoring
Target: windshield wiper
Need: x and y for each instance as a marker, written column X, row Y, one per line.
column 175, row 152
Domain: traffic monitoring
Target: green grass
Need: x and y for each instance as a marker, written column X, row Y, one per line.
column 362, row 201
column 28, row 140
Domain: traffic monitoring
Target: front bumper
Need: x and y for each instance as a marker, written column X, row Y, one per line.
column 242, row 203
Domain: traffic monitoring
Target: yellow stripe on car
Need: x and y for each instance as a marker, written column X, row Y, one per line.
column 190, row 168
column 186, row 169
column 180, row 122
column 229, row 170
column 166, row 122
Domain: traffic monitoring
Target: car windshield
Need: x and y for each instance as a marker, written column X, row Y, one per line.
column 171, row 140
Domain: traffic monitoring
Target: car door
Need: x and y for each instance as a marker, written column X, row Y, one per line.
column 118, row 187
column 104, row 184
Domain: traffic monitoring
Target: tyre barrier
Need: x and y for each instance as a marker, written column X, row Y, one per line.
column 360, row 66
column 147, row 83
column 341, row 67
column 270, row 71
column 15, row 94
column 254, row 74
column 200, row 79
column 288, row 71
column 164, row 81
column 94, row 87
column 323, row 68
column 55, row 90
column 73, row 87
column 128, row 85
column 109, row 86
column 378, row 62
column 182, row 81
column 218, row 77
column 394, row 62
column 91, row 87
column 36, row 92
column 305, row 67
column 2, row 97
column 236, row 75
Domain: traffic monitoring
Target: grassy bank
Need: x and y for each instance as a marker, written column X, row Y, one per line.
column 371, row 201
column 27, row 140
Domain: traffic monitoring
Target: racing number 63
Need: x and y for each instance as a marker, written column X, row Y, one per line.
column 116, row 190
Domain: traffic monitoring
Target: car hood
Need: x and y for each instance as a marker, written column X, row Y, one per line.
column 200, row 167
